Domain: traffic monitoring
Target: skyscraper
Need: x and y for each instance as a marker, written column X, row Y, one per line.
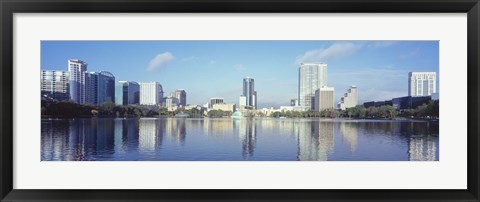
column 55, row 84
column 127, row 93
column 324, row 98
column 151, row 93
column 181, row 97
column 99, row 87
column 77, row 79
column 105, row 87
column 349, row 99
column 311, row 77
column 422, row 83
column 249, row 93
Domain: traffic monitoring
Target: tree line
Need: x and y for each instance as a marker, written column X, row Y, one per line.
column 70, row 109
column 428, row 110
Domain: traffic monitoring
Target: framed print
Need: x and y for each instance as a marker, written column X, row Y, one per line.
column 239, row 101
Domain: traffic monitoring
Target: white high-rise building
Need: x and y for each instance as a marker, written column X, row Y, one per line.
column 77, row 73
column 422, row 83
column 349, row 99
column 242, row 101
column 151, row 93
column 311, row 76
column 55, row 84
column 324, row 99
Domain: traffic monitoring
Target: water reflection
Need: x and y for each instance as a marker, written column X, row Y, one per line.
column 349, row 134
column 247, row 132
column 238, row 139
column 315, row 140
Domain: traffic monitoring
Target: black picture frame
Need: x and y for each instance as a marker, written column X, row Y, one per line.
column 10, row 7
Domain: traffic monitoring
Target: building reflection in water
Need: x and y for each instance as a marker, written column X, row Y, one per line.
column 126, row 135
column 77, row 140
column 422, row 144
column 348, row 130
column 54, row 140
column 315, row 140
column 175, row 129
column 218, row 127
column 247, row 132
column 305, row 139
column 150, row 134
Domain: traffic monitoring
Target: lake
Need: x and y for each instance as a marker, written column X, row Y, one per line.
column 227, row 139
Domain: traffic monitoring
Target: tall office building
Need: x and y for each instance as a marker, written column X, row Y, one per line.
column 310, row 78
column 324, row 99
column 77, row 80
column 55, row 84
column 249, row 93
column 181, row 97
column 422, row 83
column 151, row 93
column 99, row 88
column 349, row 99
column 105, row 89
column 127, row 93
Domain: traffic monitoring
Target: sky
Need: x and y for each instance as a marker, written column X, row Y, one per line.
column 206, row 69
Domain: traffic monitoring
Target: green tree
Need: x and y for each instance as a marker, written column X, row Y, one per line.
column 163, row 111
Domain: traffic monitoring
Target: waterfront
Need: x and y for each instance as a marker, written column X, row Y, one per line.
column 226, row 139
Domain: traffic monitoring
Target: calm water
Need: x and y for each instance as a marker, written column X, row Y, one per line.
column 261, row 139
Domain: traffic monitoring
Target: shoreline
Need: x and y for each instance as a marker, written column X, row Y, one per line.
column 238, row 118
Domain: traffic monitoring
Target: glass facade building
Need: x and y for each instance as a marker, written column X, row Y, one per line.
column 105, row 87
column 100, row 88
column 249, row 93
column 127, row 93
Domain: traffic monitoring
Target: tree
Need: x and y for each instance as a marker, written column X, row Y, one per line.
column 163, row 111
column 275, row 114
column 107, row 108
column 218, row 113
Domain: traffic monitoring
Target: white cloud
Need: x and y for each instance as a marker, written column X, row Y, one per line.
column 160, row 61
column 336, row 50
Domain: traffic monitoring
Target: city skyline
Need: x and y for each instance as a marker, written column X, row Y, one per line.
column 379, row 68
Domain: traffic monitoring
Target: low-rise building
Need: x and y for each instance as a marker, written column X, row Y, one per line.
column 224, row 107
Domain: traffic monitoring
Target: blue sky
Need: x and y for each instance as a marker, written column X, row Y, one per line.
column 216, row 68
